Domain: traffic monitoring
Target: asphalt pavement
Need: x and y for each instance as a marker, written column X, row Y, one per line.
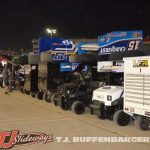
column 68, row 131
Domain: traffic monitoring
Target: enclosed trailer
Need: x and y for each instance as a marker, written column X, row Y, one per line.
column 137, row 90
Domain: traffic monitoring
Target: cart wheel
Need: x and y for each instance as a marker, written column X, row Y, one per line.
column 64, row 105
column 27, row 92
column 121, row 118
column 55, row 97
column 78, row 107
column 142, row 123
column 39, row 95
column 33, row 94
column 22, row 90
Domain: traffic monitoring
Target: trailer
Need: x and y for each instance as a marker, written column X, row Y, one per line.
column 136, row 91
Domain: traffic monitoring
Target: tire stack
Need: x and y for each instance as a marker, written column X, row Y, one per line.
column 22, row 60
column 33, row 59
column 45, row 57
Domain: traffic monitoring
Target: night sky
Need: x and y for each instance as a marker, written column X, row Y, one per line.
column 23, row 20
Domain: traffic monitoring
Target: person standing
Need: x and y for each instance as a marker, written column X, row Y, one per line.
column 5, row 79
column 21, row 77
column 11, row 80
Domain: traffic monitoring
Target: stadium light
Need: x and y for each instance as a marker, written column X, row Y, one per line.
column 51, row 31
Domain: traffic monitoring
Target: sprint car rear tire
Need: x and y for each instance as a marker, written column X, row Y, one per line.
column 22, row 60
column 27, row 85
column 33, row 58
column 78, row 107
column 46, row 57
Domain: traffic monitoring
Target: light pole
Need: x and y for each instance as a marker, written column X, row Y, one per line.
column 51, row 31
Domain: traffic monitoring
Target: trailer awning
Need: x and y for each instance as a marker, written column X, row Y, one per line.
column 105, row 69
column 111, row 69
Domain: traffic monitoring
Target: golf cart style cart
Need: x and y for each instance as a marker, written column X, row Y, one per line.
column 108, row 99
column 77, row 94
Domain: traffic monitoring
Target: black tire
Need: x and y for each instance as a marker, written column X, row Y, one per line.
column 142, row 123
column 39, row 95
column 46, row 57
column 33, row 94
column 82, row 58
column 22, row 60
column 54, row 97
column 22, row 90
column 27, row 92
column 64, row 105
column 121, row 118
column 33, row 58
column 78, row 107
